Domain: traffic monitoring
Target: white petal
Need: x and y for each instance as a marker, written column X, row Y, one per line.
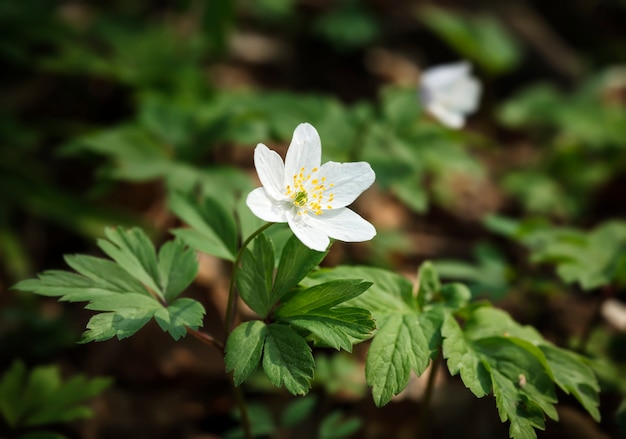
column 344, row 225
column 442, row 76
column 308, row 233
column 466, row 95
column 265, row 207
column 446, row 116
column 305, row 151
column 349, row 180
column 449, row 93
column 271, row 170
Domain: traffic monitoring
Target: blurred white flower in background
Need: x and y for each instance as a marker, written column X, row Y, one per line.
column 450, row 93
column 309, row 196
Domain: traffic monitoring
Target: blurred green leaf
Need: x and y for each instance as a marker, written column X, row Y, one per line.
column 488, row 276
column 349, row 26
column 336, row 426
column 480, row 38
column 39, row 397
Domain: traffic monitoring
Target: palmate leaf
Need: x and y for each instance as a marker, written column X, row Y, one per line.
column 408, row 335
column 493, row 353
column 316, row 314
column 212, row 228
column 285, row 355
column 254, row 279
column 136, row 286
column 315, row 309
column 39, row 397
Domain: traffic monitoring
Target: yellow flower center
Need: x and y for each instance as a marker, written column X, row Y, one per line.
column 307, row 192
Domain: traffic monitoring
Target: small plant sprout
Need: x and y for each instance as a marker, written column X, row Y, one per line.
column 450, row 93
column 311, row 197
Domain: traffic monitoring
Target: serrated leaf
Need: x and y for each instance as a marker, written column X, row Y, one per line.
column 40, row 397
column 134, row 252
column 213, row 229
column 324, row 295
column 129, row 294
column 408, row 336
column 107, row 325
column 296, row 262
column 428, row 282
column 575, row 376
column 254, row 278
column 338, row 328
column 244, row 348
column 493, row 351
column 398, row 347
column 179, row 315
column 178, row 267
column 522, row 415
column 106, row 273
column 287, row 359
column 389, row 293
column 463, row 359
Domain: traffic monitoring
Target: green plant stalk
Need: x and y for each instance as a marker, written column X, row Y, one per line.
column 422, row 423
column 229, row 321
column 231, row 306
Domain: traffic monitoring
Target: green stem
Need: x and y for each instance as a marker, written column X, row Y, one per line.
column 229, row 322
column 243, row 411
column 231, row 306
column 206, row 338
column 422, row 423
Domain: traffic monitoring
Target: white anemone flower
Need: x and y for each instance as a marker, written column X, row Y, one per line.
column 450, row 93
column 309, row 196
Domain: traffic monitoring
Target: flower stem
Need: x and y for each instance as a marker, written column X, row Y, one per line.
column 243, row 411
column 231, row 306
column 422, row 423
column 206, row 338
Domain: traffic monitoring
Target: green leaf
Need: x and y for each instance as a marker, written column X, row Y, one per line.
column 389, row 293
column 573, row 375
column 107, row 325
column 213, row 229
column 408, row 336
column 314, row 309
column 398, row 347
column 463, row 359
column 244, row 348
column 492, row 352
column 178, row 267
column 287, row 359
column 326, row 295
column 296, row 262
column 133, row 288
column 254, row 278
column 179, row 315
column 134, row 252
column 338, row 328
column 39, row 397
column 428, row 282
